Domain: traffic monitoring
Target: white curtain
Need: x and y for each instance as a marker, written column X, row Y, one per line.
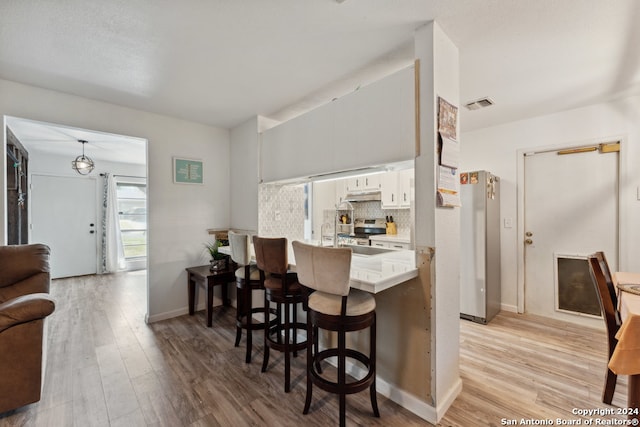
column 112, row 248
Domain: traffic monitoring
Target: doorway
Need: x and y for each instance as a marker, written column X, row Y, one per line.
column 60, row 193
column 570, row 205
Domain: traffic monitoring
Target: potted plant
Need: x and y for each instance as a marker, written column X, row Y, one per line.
column 218, row 259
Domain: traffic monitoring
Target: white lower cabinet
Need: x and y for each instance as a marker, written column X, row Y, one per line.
column 388, row 243
column 379, row 244
column 392, row 267
column 396, row 245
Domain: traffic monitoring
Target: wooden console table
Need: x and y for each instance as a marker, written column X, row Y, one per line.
column 209, row 278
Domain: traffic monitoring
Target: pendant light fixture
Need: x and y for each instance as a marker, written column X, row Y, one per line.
column 82, row 164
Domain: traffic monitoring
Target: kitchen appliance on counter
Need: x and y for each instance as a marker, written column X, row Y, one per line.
column 479, row 246
column 363, row 228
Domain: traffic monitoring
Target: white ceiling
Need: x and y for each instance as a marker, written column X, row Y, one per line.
column 62, row 140
column 221, row 62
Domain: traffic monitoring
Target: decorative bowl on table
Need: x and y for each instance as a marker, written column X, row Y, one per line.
column 218, row 259
column 218, row 264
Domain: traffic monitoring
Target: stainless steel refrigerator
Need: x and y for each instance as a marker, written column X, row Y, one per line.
column 479, row 246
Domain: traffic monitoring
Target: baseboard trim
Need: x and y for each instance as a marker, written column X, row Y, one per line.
column 171, row 314
column 448, row 400
column 509, row 307
column 405, row 399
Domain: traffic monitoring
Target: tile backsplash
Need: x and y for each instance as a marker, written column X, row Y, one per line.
column 281, row 211
column 370, row 210
column 401, row 217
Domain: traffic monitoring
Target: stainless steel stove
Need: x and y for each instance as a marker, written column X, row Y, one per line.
column 364, row 228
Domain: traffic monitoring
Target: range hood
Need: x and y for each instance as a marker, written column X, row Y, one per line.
column 361, row 196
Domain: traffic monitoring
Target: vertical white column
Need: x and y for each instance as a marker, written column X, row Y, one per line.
column 438, row 228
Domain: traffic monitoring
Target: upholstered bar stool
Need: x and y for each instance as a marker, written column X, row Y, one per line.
column 335, row 307
column 247, row 281
column 283, row 289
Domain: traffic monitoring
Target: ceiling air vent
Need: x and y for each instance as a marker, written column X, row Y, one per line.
column 479, row 103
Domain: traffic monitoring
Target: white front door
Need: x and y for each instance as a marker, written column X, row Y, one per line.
column 571, row 208
column 63, row 216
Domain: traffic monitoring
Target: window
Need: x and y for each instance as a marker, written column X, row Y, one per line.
column 132, row 209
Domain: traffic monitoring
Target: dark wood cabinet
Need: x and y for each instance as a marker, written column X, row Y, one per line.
column 17, row 194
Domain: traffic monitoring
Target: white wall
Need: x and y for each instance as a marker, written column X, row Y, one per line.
column 179, row 215
column 495, row 149
column 244, row 176
column 436, row 227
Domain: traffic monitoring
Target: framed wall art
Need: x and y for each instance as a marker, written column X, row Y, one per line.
column 187, row 171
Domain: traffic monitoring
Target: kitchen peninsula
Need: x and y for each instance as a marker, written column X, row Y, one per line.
column 371, row 273
column 395, row 278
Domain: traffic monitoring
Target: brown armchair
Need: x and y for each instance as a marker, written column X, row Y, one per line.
column 24, row 304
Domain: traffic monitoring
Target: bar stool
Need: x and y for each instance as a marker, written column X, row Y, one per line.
column 247, row 281
column 283, row 289
column 335, row 307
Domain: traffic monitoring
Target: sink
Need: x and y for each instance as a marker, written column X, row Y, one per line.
column 368, row 250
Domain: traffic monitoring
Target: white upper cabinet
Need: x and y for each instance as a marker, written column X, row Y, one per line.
column 363, row 183
column 389, row 189
column 376, row 124
column 373, row 125
column 299, row 147
column 396, row 189
column 405, row 193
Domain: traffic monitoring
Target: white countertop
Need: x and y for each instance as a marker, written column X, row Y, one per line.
column 373, row 273
column 398, row 238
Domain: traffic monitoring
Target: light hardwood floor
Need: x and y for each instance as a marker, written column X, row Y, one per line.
column 106, row 367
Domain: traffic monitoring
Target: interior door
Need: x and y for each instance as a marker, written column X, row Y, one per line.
column 571, row 205
column 63, row 216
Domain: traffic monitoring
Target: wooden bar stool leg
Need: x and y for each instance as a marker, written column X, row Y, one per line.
column 239, row 311
column 267, row 331
column 342, row 375
column 317, row 346
column 279, row 328
column 295, row 330
column 372, row 363
column 311, row 342
column 287, row 351
column 248, row 307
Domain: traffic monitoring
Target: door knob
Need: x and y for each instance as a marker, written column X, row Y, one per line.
column 528, row 234
column 528, row 241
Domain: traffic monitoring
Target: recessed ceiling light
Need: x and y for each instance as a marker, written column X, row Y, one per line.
column 479, row 103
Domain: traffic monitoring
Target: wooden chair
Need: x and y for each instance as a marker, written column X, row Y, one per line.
column 609, row 306
column 335, row 307
column 247, row 281
column 282, row 288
